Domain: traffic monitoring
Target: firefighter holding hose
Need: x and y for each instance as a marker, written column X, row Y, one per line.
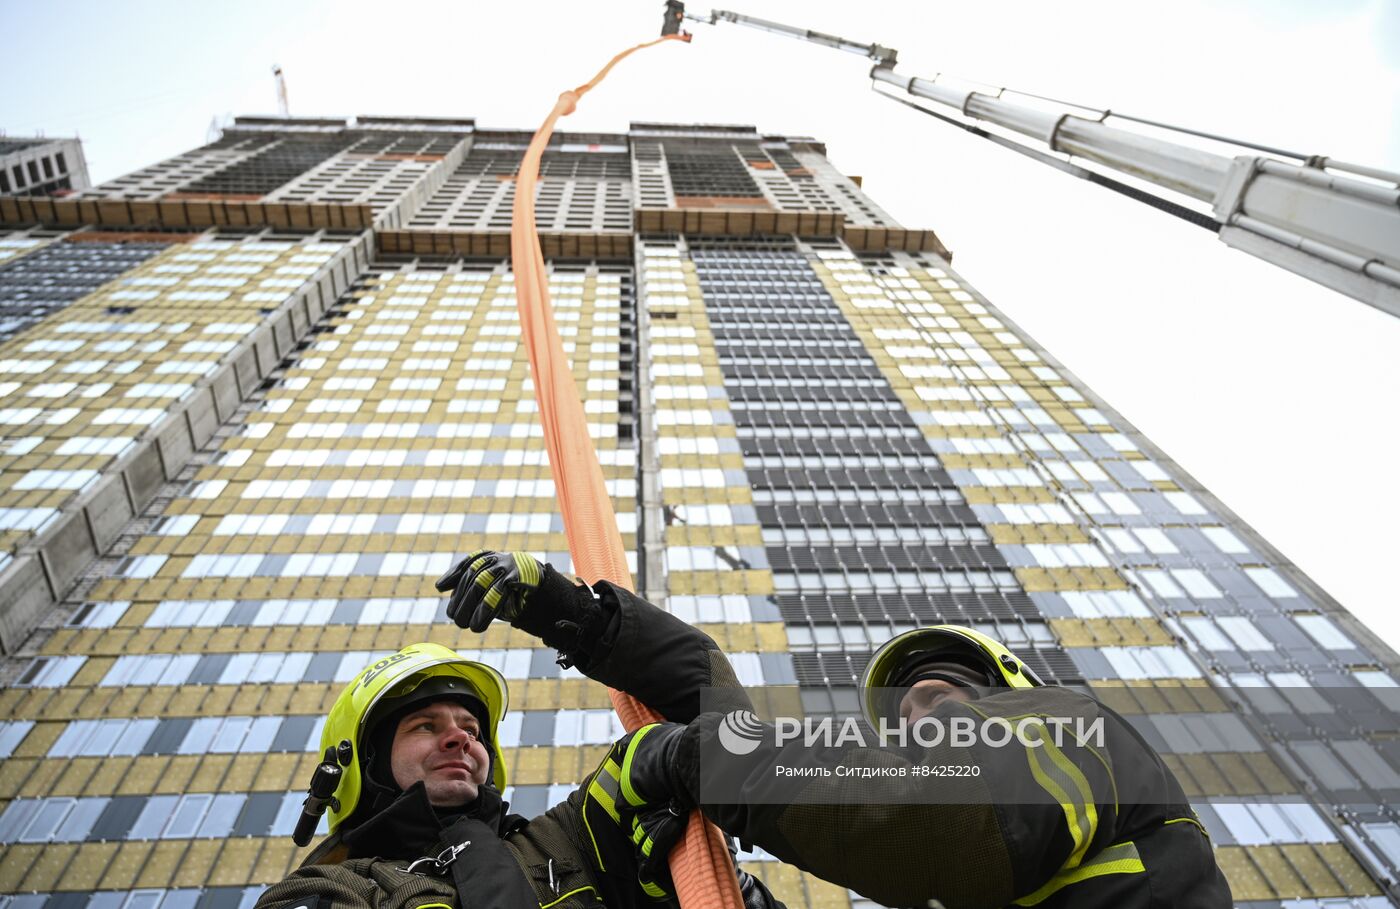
column 1070, row 808
column 414, row 773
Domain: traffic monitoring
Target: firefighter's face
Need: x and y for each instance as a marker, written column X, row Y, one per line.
column 924, row 696
column 441, row 745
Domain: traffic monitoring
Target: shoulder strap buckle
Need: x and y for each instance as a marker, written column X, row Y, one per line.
column 439, row 862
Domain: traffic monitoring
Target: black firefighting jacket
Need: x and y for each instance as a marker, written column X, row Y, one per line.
column 1097, row 822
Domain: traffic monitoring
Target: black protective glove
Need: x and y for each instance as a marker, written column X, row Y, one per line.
column 754, row 892
column 655, row 832
column 487, row 585
column 660, row 835
column 530, row 595
column 636, row 787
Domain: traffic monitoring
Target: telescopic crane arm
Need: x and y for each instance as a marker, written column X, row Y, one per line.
column 1332, row 222
column 883, row 56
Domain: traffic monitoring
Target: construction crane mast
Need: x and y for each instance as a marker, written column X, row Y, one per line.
column 1333, row 222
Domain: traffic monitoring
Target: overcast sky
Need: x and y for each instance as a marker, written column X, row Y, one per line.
column 1282, row 397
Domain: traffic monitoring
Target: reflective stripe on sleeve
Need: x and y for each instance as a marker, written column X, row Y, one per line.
column 1121, row 858
column 633, row 798
column 604, row 788
column 1067, row 785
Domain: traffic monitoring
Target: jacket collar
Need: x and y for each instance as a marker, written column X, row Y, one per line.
column 410, row 826
column 407, row 827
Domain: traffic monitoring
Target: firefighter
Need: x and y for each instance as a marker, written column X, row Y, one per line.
column 614, row 637
column 417, row 817
column 1073, row 808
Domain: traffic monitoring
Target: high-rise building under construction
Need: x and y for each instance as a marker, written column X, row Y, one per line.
column 258, row 396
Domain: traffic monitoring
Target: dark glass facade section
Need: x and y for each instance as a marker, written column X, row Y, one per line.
column 626, row 345
column 481, row 162
column 848, row 492
column 925, row 608
column 504, row 162
column 399, row 143
column 240, row 141
column 47, row 280
column 835, row 670
column 586, row 166
column 276, row 165
column 709, row 173
column 627, row 362
column 788, row 163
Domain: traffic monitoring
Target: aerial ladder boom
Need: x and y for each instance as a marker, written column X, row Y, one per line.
column 1330, row 221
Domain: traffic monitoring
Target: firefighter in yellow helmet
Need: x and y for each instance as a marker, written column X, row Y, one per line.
column 1047, row 798
column 413, row 780
column 915, row 671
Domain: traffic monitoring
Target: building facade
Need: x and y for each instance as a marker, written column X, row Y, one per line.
column 41, row 167
column 258, row 396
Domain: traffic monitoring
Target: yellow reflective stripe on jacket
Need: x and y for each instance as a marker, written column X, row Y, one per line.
column 1108, row 772
column 604, row 789
column 1121, row 858
column 1190, row 820
column 1067, row 785
column 569, row 894
column 628, row 792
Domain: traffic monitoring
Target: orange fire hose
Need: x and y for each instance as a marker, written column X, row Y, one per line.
column 700, row 865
